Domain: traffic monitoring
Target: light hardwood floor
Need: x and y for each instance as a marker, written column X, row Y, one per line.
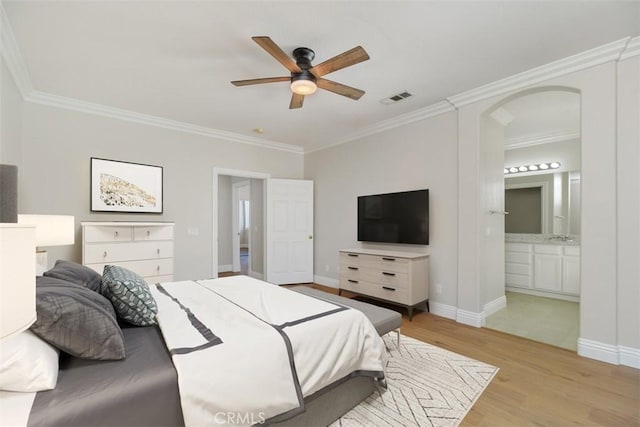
column 538, row 384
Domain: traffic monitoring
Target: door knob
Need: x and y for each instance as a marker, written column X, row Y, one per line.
column 310, row 237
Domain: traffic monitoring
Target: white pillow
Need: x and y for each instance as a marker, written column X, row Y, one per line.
column 27, row 363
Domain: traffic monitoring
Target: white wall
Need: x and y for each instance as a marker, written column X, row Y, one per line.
column 565, row 152
column 11, row 120
column 57, row 145
column 415, row 156
column 628, row 212
column 225, row 224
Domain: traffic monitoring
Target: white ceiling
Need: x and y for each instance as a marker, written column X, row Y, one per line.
column 175, row 59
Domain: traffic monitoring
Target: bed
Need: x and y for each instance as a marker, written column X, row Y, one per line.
column 321, row 371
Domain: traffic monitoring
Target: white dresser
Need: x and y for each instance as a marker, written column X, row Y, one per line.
column 398, row 277
column 145, row 248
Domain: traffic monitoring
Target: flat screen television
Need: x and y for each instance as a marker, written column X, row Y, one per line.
column 394, row 217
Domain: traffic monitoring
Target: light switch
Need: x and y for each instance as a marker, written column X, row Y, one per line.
column 193, row 231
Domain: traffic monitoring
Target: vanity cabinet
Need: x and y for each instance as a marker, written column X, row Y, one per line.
column 548, row 268
column 543, row 269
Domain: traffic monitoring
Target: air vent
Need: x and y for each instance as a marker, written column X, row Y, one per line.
column 396, row 98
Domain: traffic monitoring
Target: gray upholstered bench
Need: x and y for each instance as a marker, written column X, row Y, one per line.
column 383, row 319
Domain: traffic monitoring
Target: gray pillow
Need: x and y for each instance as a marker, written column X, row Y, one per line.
column 76, row 273
column 130, row 295
column 77, row 320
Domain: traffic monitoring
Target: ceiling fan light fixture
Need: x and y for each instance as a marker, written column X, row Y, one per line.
column 302, row 86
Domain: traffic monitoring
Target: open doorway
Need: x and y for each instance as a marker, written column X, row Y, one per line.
column 241, row 244
column 542, row 214
column 238, row 227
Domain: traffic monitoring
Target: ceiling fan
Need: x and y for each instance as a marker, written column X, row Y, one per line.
column 305, row 78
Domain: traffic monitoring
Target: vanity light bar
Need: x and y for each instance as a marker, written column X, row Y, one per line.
column 532, row 168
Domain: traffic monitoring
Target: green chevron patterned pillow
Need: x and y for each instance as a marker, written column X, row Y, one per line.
column 130, row 295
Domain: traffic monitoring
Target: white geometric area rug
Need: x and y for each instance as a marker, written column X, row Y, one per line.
column 426, row 386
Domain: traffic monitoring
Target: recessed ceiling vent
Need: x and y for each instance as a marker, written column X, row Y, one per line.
column 396, row 98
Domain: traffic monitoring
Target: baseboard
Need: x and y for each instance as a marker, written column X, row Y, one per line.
column 225, row 268
column 442, row 310
column 470, row 318
column 598, row 351
column 326, row 281
column 536, row 293
column 629, row 356
column 495, row 306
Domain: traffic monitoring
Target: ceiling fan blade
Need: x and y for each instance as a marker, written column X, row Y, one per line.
column 274, row 50
column 260, row 81
column 296, row 101
column 340, row 89
column 338, row 62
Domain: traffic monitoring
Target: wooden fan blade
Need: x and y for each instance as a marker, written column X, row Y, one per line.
column 274, row 50
column 296, row 101
column 340, row 89
column 338, row 62
column 260, row 81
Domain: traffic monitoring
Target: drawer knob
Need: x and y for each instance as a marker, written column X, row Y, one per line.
column 158, row 251
column 388, row 259
column 115, row 234
column 353, row 281
column 386, row 288
column 148, row 233
column 352, row 268
column 388, row 274
column 355, row 255
column 104, row 254
column 158, row 268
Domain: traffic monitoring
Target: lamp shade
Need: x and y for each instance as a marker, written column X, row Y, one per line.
column 17, row 278
column 51, row 230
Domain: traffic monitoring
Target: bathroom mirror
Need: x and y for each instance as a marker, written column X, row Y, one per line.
column 543, row 203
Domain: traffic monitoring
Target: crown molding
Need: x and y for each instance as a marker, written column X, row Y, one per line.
column 47, row 99
column 614, row 51
column 401, row 120
column 590, row 58
column 539, row 139
column 632, row 49
column 11, row 54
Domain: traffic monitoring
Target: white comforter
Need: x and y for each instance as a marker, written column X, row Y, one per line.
column 250, row 351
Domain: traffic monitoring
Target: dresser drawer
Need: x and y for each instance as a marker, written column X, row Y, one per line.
column 350, row 272
column 154, row 232
column 391, row 264
column 107, row 233
column 147, row 268
column 386, row 292
column 396, row 280
column 350, row 259
column 115, row 252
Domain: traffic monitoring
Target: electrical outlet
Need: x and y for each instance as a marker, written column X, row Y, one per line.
column 326, row 268
column 438, row 288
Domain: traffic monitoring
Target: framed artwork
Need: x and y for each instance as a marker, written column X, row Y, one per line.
column 125, row 187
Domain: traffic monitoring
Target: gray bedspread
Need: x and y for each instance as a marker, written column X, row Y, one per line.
column 141, row 390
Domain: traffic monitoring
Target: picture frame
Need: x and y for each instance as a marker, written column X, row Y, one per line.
column 118, row 186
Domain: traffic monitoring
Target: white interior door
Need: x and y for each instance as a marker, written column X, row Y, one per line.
column 289, row 230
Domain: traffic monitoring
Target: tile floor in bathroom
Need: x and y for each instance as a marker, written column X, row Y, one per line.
column 547, row 320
